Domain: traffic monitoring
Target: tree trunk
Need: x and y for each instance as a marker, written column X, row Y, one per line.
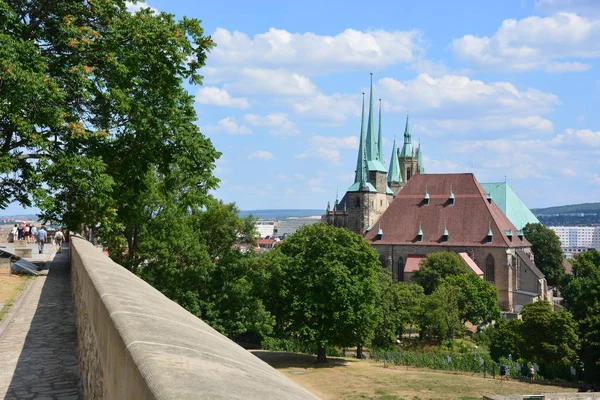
column 359, row 354
column 321, row 354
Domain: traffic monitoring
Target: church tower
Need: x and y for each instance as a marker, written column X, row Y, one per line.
column 369, row 196
column 409, row 160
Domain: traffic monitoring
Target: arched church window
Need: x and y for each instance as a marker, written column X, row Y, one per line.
column 407, row 174
column 357, row 202
column 400, row 269
column 490, row 268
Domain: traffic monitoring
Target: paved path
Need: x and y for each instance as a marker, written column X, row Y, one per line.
column 38, row 358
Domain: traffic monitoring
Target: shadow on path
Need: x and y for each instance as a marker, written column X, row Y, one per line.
column 47, row 365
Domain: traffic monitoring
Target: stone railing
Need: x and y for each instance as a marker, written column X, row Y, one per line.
column 135, row 343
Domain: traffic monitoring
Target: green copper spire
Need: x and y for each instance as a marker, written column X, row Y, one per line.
column 380, row 139
column 407, row 148
column 373, row 158
column 394, row 172
column 360, row 177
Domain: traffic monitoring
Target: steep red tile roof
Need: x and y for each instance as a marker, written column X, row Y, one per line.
column 467, row 221
column 474, row 267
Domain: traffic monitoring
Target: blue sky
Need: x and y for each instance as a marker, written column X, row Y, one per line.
column 498, row 88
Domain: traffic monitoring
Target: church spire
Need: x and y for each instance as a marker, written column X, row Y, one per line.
column 420, row 160
column 394, row 171
column 371, row 141
column 380, row 155
column 374, row 159
column 360, row 177
column 407, row 147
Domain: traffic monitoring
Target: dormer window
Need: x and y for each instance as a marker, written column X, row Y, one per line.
column 426, row 198
column 380, row 233
column 490, row 235
column 420, row 234
column 489, row 198
column 520, row 234
column 451, row 198
column 446, row 234
column 509, row 234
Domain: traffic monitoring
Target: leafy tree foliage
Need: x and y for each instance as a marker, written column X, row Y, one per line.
column 477, row 299
column 440, row 315
column 545, row 245
column 438, row 266
column 581, row 296
column 95, row 115
column 399, row 305
column 325, row 285
column 549, row 336
column 506, row 338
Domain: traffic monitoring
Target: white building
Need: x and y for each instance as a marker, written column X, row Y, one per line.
column 577, row 239
column 291, row 225
column 265, row 228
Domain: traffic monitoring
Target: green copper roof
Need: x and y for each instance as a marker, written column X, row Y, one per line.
column 380, row 155
column 510, row 204
column 407, row 150
column 394, row 171
column 371, row 144
column 361, row 184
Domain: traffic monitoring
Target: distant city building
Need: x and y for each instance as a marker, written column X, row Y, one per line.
column 577, row 239
column 510, row 203
column 265, row 228
column 291, row 225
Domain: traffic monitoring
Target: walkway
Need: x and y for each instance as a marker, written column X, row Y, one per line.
column 38, row 347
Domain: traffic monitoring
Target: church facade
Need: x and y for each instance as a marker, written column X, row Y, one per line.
column 406, row 214
column 374, row 185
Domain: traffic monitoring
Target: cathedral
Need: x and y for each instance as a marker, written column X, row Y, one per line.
column 406, row 214
column 374, row 186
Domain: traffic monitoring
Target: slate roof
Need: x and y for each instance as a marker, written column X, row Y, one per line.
column 467, row 221
column 510, row 204
column 525, row 258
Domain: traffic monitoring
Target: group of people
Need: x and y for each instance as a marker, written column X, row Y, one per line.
column 31, row 234
column 505, row 372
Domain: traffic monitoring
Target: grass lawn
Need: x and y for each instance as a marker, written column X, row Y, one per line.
column 347, row 378
column 10, row 287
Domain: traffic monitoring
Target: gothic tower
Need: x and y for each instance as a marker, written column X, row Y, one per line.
column 410, row 160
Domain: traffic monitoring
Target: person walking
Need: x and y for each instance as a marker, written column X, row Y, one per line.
column 15, row 233
column 531, row 373
column 58, row 240
column 41, row 239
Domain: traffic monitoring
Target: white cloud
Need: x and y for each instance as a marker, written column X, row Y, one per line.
column 316, row 54
column 463, row 94
column 272, row 82
column 227, row 126
column 494, row 123
column 277, row 124
column 261, row 155
column 347, row 142
column 584, row 137
column 439, row 166
column 214, row 96
column 328, row 148
column 328, row 109
column 135, row 7
column 534, row 43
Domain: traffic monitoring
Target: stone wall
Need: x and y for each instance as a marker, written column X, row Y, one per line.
column 135, row 343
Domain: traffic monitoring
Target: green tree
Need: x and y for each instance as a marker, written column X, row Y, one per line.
column 581, row 296
column 437, row 266
column 506, row 338
column 95, row 112
column 440, row 314
column 547, row 253
column 398, row 306
column 326, row 281
column 549, row 336
column 477, row 299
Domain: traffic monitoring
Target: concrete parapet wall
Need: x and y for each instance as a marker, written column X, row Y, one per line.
column 135, row 343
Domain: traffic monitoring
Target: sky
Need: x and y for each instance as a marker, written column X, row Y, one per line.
column 504, row 89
